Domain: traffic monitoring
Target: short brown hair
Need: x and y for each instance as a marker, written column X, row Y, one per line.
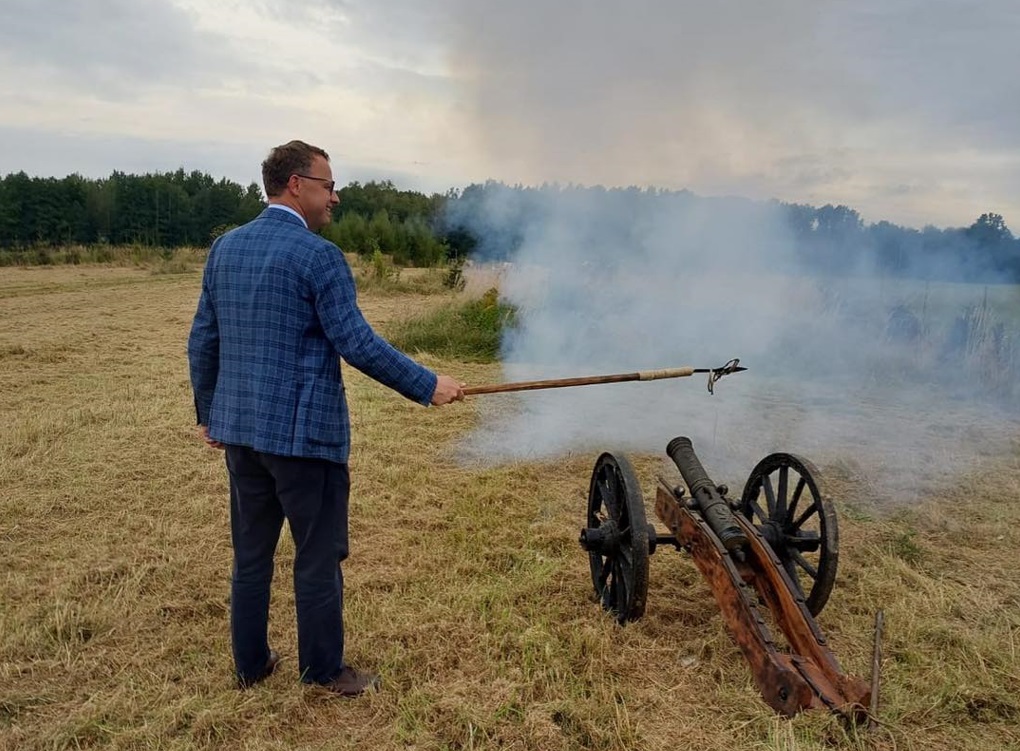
column 289, row 159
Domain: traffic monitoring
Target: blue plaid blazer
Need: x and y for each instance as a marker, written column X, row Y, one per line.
column 278, row 306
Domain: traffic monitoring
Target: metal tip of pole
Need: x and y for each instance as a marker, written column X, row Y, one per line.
column 733, row 366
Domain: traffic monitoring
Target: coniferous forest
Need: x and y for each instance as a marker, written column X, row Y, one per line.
column 175, row 209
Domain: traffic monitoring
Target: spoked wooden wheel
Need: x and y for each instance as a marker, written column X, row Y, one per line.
column 783, row 500
column 616, row 538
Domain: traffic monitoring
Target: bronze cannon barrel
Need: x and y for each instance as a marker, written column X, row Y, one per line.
column 710, row 502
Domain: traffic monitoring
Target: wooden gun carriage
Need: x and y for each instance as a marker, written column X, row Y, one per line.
column 770, row 559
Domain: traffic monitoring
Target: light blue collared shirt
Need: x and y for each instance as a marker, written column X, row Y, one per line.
column 288, row 208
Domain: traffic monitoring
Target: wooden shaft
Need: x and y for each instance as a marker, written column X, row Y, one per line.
column 876, row 666
column 559, row 383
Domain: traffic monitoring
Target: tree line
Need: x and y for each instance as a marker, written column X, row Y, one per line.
column 491, row 221
column 834, row 239
column 610, row 225
column 175, row 209
column 164, row 210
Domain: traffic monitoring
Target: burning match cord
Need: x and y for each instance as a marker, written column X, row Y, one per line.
column 714, row 374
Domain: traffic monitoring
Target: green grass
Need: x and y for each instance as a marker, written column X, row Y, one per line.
column 468, row 330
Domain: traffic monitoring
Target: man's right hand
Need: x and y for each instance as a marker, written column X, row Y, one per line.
column 447, row 390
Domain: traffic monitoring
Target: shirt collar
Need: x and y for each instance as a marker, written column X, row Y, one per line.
column 288, row 208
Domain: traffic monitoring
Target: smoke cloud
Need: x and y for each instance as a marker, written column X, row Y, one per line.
column 871, row 104
column 857, row 371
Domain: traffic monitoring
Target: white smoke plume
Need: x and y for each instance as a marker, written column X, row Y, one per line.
column 621, row 281
column 872, row 103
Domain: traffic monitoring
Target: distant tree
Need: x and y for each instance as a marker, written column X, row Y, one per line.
column 995, row 246
column 373, row 197
column 897, row 250
column 350, row 233
column 423, row 248
column 382, row 230
column 12, row 209
column 989, row 230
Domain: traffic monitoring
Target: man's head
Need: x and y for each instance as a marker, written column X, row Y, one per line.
column 298, row 175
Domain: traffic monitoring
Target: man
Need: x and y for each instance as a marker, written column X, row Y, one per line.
column 277, row 310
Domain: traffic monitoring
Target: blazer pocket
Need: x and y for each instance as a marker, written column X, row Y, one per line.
column 322, row 413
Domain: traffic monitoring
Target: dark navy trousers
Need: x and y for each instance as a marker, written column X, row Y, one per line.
column 312, row 494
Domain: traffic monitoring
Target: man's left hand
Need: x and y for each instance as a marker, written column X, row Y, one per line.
column 203, row 432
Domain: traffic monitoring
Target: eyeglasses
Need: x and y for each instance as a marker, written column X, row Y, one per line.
column 330, row 184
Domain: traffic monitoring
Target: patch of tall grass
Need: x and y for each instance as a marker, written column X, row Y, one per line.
column 161, row 260
column 976, row 345
column 378, row 274
column 470, row 330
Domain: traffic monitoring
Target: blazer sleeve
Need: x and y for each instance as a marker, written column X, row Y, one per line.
column 350, row 334
column 204, row 350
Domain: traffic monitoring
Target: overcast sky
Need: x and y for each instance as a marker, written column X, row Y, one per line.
column 908, row 110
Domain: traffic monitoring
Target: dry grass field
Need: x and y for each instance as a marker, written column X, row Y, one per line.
column 466, row 588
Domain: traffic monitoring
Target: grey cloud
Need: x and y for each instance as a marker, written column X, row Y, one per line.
column 405, row 31
column 112, row 48
column 707, row 96
column 400, row 34
column 388, row 48
column 45, row 153
column 951, row 61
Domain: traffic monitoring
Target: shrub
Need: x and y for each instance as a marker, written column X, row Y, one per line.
column 469, row 331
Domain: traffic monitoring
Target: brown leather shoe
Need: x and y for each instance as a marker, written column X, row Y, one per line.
column 271, row 663
column 352, row 682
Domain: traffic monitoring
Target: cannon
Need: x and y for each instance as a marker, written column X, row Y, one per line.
column 769, row 557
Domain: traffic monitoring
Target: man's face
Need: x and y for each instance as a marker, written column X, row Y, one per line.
column 316, row 194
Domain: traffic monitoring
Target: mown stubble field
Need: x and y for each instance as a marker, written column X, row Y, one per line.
column 466, row 588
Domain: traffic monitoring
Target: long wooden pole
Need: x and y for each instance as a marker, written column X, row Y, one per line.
column 876, row 667
column 559, row 383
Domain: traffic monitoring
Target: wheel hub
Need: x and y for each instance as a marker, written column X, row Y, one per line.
column 604, row 539
column 773, row 534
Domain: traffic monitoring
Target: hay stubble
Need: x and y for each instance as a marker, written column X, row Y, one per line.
column 465, row 588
